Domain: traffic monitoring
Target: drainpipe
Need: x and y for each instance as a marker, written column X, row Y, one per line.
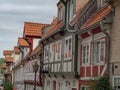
column 108, row 45
column 41, row 64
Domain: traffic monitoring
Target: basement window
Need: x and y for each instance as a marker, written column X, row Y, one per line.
column 84, row 88
column 116, row 82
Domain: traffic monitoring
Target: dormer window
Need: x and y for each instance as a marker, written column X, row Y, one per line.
column 70, row 10
column 61, row 11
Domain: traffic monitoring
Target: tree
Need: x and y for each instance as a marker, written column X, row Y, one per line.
column 1, row 62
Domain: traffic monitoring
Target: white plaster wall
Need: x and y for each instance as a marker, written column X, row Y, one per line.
column 35, row 43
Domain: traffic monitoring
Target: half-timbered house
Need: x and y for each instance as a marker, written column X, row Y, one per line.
column 93, row 39
column 18, row 66
column 32, row 34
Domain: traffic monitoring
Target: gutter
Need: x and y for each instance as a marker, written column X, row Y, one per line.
column 108, row 45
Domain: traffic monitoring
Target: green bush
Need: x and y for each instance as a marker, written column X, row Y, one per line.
column 7, row 85
column 103, row 84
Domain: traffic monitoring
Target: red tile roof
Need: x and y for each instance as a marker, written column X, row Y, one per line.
column 98, row 16
column 16, row 50
column 22, row 42
column 9, row 59
column 8, row 52
column 4, row 66
column 33, row 29
column 54, row 28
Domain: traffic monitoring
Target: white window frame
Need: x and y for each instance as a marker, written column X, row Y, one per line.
column 100, row 53
column 114, row 80
column 84, row 86
column 66, row 48
column 58, row 52
column 52, row 52
column 46, row 59
column 85, row 44
column 71, row 12
column 61, row 13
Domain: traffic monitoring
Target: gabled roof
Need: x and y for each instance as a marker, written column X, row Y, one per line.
column 22, row 42
column 16, row 50
column 9, row 59
column 97, row 16
column 8, row 52
column 4, row 66
column 33, row 29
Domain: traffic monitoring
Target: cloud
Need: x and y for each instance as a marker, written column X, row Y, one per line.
column 13, row 14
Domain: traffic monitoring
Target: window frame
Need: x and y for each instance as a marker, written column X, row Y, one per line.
column 118, row 77
column 61, row 13
column 84, row 44
column 67, row 47
column 84, row 86
column 99, row 58
column 52, row 52
column 59, row 51
column 46, row 60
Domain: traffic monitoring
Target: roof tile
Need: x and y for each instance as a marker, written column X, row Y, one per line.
column 16, row 50
column 33, row 29
column 8, row 52
column 22, row 42
column 9, row 59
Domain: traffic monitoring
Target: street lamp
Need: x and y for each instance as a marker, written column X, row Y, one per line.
column 35, row 69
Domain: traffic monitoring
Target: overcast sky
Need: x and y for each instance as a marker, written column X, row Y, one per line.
column 13, row 14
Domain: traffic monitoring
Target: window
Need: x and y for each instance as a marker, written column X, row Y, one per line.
column 67, row 67
column 58, row 47
column 116, row 82
column 51, row 54
column 70, row 9
column 85, row 88
column 68, row 48
column 61, row 13
column 46, row 54
column 85, row 54
column 99, row 51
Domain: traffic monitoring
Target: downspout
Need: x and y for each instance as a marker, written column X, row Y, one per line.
column 41, row 65
column 108, row 45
